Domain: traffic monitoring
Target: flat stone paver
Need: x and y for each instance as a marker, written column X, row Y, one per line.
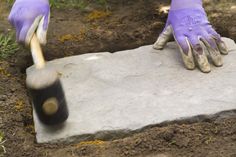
column 131, row 89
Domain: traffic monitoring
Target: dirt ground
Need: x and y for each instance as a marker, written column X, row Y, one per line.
column 123, row 25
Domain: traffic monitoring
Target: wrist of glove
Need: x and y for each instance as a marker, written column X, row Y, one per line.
column 194, row 35
column 29, row 17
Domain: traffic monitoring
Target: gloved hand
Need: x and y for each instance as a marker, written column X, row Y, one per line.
column 188, row 23
column 29, row 17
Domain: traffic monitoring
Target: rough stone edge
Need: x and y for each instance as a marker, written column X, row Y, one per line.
column 119, row 134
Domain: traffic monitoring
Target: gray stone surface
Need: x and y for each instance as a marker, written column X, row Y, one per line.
column 131, row 89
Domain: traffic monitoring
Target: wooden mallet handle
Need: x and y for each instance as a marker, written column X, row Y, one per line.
column 37, row 53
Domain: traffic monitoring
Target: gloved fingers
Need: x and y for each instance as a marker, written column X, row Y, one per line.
column 28, row 30
column 186, row 52
column 39, row 26
column 221, row 44
column 42, row 29
column 163, row 38
column 213, row 50
column 222, row 47
column 21, row 33
column 211, row 31
column 200, row 55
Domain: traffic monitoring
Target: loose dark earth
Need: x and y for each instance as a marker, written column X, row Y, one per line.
column 118, row 26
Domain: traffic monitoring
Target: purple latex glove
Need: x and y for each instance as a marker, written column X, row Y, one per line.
column 188, row 23
column 29, row 17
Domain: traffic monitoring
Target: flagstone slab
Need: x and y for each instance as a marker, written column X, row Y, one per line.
column 128, row 90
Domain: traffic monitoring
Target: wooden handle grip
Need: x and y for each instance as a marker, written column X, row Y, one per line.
column 37, row 53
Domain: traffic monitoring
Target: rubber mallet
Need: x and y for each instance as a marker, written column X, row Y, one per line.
column 45, row 89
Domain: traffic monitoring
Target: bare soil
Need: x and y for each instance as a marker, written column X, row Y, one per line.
column 122, row 25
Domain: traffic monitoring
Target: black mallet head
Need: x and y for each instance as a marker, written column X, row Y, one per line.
column 47, row 95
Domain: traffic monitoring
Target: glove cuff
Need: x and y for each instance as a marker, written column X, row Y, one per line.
column 183, row 4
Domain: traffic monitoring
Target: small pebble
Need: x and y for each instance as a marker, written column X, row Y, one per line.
column 3, row 97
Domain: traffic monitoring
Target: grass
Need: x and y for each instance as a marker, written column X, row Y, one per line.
column 10, row 1
column 8, row 46
column 2, row 141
